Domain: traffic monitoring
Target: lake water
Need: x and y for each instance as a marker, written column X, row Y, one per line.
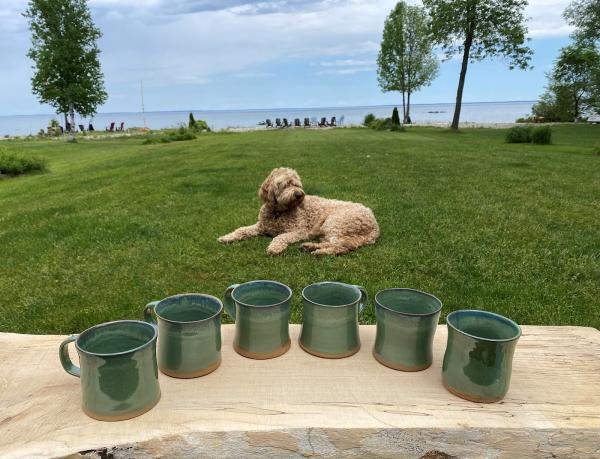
column 480, row 112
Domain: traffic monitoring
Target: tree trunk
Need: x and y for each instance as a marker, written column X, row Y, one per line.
column 461, row 80
column 403, row 106
column 407, row 119
column 66, row 121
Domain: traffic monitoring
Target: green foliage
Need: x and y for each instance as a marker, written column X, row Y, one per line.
column 477, row 30
column 67, row 72
column 54, row 123
column 176, row 135
column 406, row 61
column 18, row 163
column 369, row 119
column 395, row 117
column 385, row 124
column 541, row 135
column 584, row 15
column 554, row 106
column 197, row 125
column 519, row 134
column 574, row 84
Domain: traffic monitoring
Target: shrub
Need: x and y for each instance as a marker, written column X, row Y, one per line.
column 191, row 122
column 542, row 135
column 369, row 119
column 395, row 117
column 171, row 136
column 17, row 164
column 519, row 134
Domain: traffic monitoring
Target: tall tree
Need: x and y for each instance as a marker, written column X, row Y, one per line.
column 406, row 61
column 585, row 16
column 573, row 87
column 479, row 29
column 65, row 55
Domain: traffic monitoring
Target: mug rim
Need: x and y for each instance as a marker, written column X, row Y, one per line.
column 205, row 295
column 289, row 297
column 332, row 305
column 489, row 314
column 412, row 314
column 113, row 322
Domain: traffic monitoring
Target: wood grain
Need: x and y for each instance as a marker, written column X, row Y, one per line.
column 301, row 405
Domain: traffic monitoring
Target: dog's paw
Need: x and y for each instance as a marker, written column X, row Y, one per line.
column 274, row 250
column 225, row 239
column 309, row 246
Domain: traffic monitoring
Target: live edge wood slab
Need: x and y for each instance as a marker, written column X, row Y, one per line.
column 299, row 405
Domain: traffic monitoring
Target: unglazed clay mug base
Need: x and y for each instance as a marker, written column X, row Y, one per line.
column 330, row 319
column 478, row 360
column 189, row 334
column 119, row 372
column 406, row 323
column 261, row 310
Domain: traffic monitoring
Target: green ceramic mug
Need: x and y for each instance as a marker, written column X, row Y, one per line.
column 119, row 373
column 261, row 310
column 406, row 323
column 189, row 334
column 330, row 325
column 478, row 359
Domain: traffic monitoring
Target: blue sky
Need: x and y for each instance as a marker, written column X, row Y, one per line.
column 242, row 54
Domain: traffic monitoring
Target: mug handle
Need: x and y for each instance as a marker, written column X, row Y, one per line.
column 364, row 298
column 65, row 360
column 148, row 310
column 228, row 301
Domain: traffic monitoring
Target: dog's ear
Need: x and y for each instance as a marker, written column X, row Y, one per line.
column 263, row 191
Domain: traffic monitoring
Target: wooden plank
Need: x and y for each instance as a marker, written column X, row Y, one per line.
column 301, row 405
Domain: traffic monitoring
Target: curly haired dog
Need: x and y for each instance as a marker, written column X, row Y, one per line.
column 289, row 216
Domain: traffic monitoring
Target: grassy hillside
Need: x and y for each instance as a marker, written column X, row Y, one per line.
column 481, row 224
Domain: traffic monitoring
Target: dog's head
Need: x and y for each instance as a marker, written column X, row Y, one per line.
column 282, row 189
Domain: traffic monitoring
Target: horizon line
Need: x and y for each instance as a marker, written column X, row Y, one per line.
column 281, row 108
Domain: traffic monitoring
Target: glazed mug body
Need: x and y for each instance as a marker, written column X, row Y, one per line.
column 479, row 353
column 189, row 334
column 261, row 310
column 118, row 369
column 406, row 323
column 330, row 319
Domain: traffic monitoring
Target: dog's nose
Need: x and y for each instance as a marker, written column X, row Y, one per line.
column 298, row 194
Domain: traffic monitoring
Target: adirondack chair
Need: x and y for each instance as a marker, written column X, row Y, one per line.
column 81, row 127
column 285, row 123
column 121, row 127
column 323, row 122
column 90, row 127
column 313, row 121
column 332, row 123
column 278, row 123
column 306, row 122
column 297, row 122
column 111, row 128
column 269, row 123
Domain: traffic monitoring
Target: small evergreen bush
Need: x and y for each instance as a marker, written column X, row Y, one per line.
column 395, row 117
column 17, row 164
column 191, row 122
column 542, row 135
column 369, row 119
column 519, row 134
column 178, row 135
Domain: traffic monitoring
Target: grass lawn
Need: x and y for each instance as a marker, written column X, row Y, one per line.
column 114, row 224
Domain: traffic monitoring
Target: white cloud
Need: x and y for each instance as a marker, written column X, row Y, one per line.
column 195, row 42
